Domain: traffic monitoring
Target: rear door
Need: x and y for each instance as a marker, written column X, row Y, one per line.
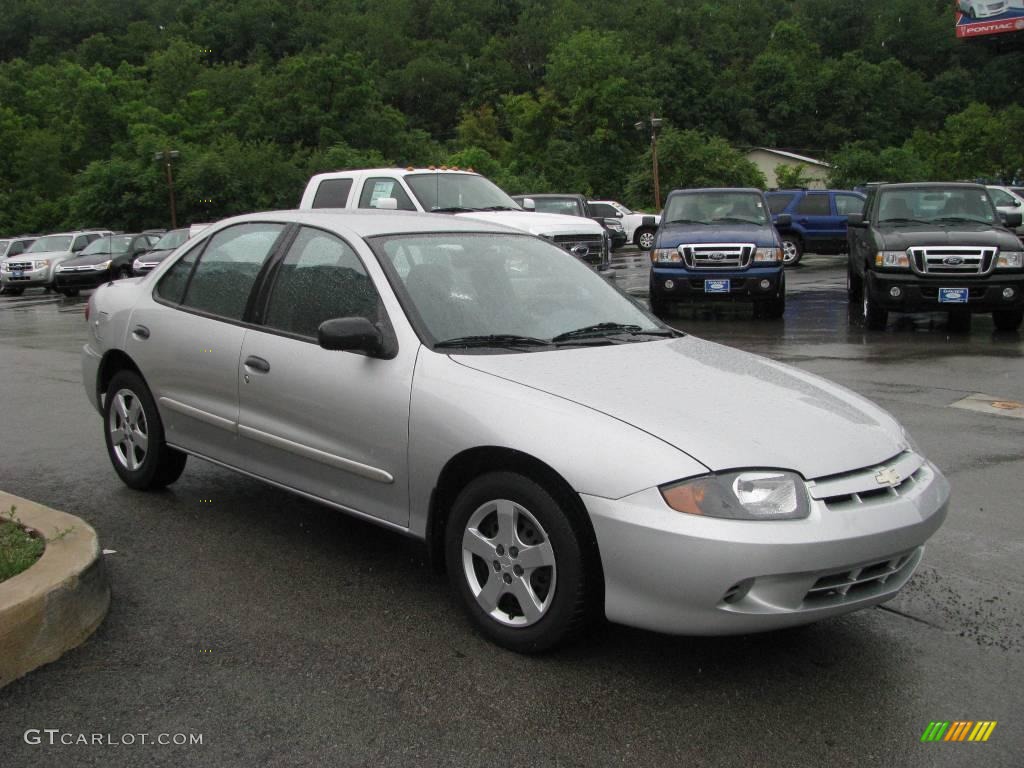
column 814, row 218
column 331, row 424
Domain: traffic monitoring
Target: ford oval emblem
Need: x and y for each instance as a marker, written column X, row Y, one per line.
column 953, row 260
column 580, row 251
column 717, row 256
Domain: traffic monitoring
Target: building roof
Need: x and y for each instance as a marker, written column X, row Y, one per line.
column 793, row 156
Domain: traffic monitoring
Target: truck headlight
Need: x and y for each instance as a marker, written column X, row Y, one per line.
column 768, row 254
column 764, row 494
column 892, row 259
column 666, row 254
column 42, row 263
column 1010, row 260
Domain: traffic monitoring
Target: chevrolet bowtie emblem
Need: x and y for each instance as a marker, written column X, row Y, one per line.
column 887, row 476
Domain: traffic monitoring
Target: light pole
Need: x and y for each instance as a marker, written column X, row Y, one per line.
column 166, row 156
column 655, row 123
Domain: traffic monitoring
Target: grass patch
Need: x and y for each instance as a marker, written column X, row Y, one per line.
column 18, row 548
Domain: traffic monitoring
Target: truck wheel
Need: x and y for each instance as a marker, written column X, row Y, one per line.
column 875, row 317
column 69, row 292
column 1007, row 319
column 959, row 322
column 854, row 284
column 14, row 291
column 792, row 250
column 645, row 239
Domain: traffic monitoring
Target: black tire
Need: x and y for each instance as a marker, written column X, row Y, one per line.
column 69, row 292
column 159, row 465
column 1008, row 319
column 572, row 597
column 14, row 291
column 959, row 322
column 122, row 273
column 775, row 308
column 875, row 316
column 854, row 284
column 644, row 238
column 659, row 307
column 792, row 250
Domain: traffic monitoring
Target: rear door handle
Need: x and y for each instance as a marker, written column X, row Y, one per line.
column 140, row 332
column 257, row 364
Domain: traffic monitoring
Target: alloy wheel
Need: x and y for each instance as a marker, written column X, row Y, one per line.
column 129, row 432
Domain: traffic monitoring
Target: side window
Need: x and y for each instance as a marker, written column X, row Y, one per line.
column 17, row 249
column 377, row 188
column 226, row 271
column 814, row 204
column 603, row 209
column 778, row 203
column 847, row 204
column 1000, row 198
column 321, row 278
column 332, row 193
column 80, row 242
column 172, row 285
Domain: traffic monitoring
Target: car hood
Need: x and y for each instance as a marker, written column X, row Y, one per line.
column 153, row 256
column 673, row 235
column 726, row 408
column 39, row 255
column 92, row 258
column 899, row 238
column 539, row 223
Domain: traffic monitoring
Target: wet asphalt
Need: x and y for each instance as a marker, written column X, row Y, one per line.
column 288, row 634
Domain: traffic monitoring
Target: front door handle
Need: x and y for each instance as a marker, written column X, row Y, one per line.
column 140, row 332
column 257, row 364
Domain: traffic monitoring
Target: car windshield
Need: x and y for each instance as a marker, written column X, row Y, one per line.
column 565, row 205
column 503, row 289
column 171, row 240
column 458, row 191
column 716, row 207
column 51, row 243
column 930, row 204
column 112, row 245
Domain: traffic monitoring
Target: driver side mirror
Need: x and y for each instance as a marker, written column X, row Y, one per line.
column 351, row 334
column 783, row 220
column 1011, row 219
column 529, row 204
column 855, row 220
column 386, row 203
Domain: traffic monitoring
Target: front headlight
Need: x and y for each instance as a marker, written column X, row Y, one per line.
column 137, row 264
column 768, row 254
column 101, row 267
column 613, row 224
column 42, row 263
column 1010, row 260
column 666, row 254
column 892, row 259
column 764, row 494
column 4, row 267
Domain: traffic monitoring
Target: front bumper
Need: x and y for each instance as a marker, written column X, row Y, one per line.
column 918, row 294
column 84, row 279
column 684, row 574
column 689, row 285
column 29, row 278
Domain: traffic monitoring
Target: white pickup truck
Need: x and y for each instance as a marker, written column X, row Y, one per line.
column 458, row 192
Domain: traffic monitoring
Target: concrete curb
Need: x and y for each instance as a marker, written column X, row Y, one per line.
column 58, row 602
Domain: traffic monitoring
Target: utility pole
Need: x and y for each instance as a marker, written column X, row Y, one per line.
column 166, row 156
column 655, row 123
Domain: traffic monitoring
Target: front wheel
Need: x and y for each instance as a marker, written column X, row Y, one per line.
column 135, row 435
column 875, row 316
column 14, row 291
column 1008, row 319
column 518, row 557
column 792, row 250
column 122, row 273
column 775, row 308
column 645, row 239
column 69, row 292
column 854, row 284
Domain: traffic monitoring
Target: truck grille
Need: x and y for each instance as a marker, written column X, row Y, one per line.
column 718, row 255
column 952, row 260
column 19, row 265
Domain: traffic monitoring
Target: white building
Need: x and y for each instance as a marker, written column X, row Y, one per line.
column 767, row 159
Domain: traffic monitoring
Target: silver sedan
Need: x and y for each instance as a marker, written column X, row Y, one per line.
column 560, row 451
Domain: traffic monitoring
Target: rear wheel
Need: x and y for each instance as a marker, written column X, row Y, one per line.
column 135, row 435
column 645, row 238
column 1008, row 319
column 875, row 316
column 518, row 557
column 792, row 250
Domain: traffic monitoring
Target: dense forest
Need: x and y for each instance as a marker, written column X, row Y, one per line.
column 256, row 95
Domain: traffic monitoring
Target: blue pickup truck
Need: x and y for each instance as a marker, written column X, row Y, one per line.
column 817, row 220
column 718, row 245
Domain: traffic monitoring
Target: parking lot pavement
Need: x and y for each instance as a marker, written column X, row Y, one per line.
column 287, row 634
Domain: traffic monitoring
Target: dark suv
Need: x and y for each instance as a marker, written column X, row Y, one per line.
column 935, row 246
column 818, row 220
column 715, row 245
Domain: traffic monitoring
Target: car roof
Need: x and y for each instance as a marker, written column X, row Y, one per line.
column 370, row 223
column 936, row 185
column 404, row 171
column 547, row 194
column 751, row 190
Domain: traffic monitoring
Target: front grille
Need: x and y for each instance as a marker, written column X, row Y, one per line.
column 19, row 265
column 861, row 581
column 87, row 268
column 891, row 479
column 718, row 255
column 952, row 260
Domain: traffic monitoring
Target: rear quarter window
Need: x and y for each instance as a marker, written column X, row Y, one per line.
column 332, row 193
column 777, row 202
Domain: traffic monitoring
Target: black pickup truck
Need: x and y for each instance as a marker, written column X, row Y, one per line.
column 935, row 246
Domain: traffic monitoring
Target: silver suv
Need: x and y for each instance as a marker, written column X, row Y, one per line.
column 35, row 268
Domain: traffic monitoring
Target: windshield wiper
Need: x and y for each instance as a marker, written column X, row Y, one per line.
column 739, row 220
column 497, row 208
column 609, row 329
column 902, row 220
column 688, row 221
column 493, row 340
column 962, row 218
column 454, row 209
